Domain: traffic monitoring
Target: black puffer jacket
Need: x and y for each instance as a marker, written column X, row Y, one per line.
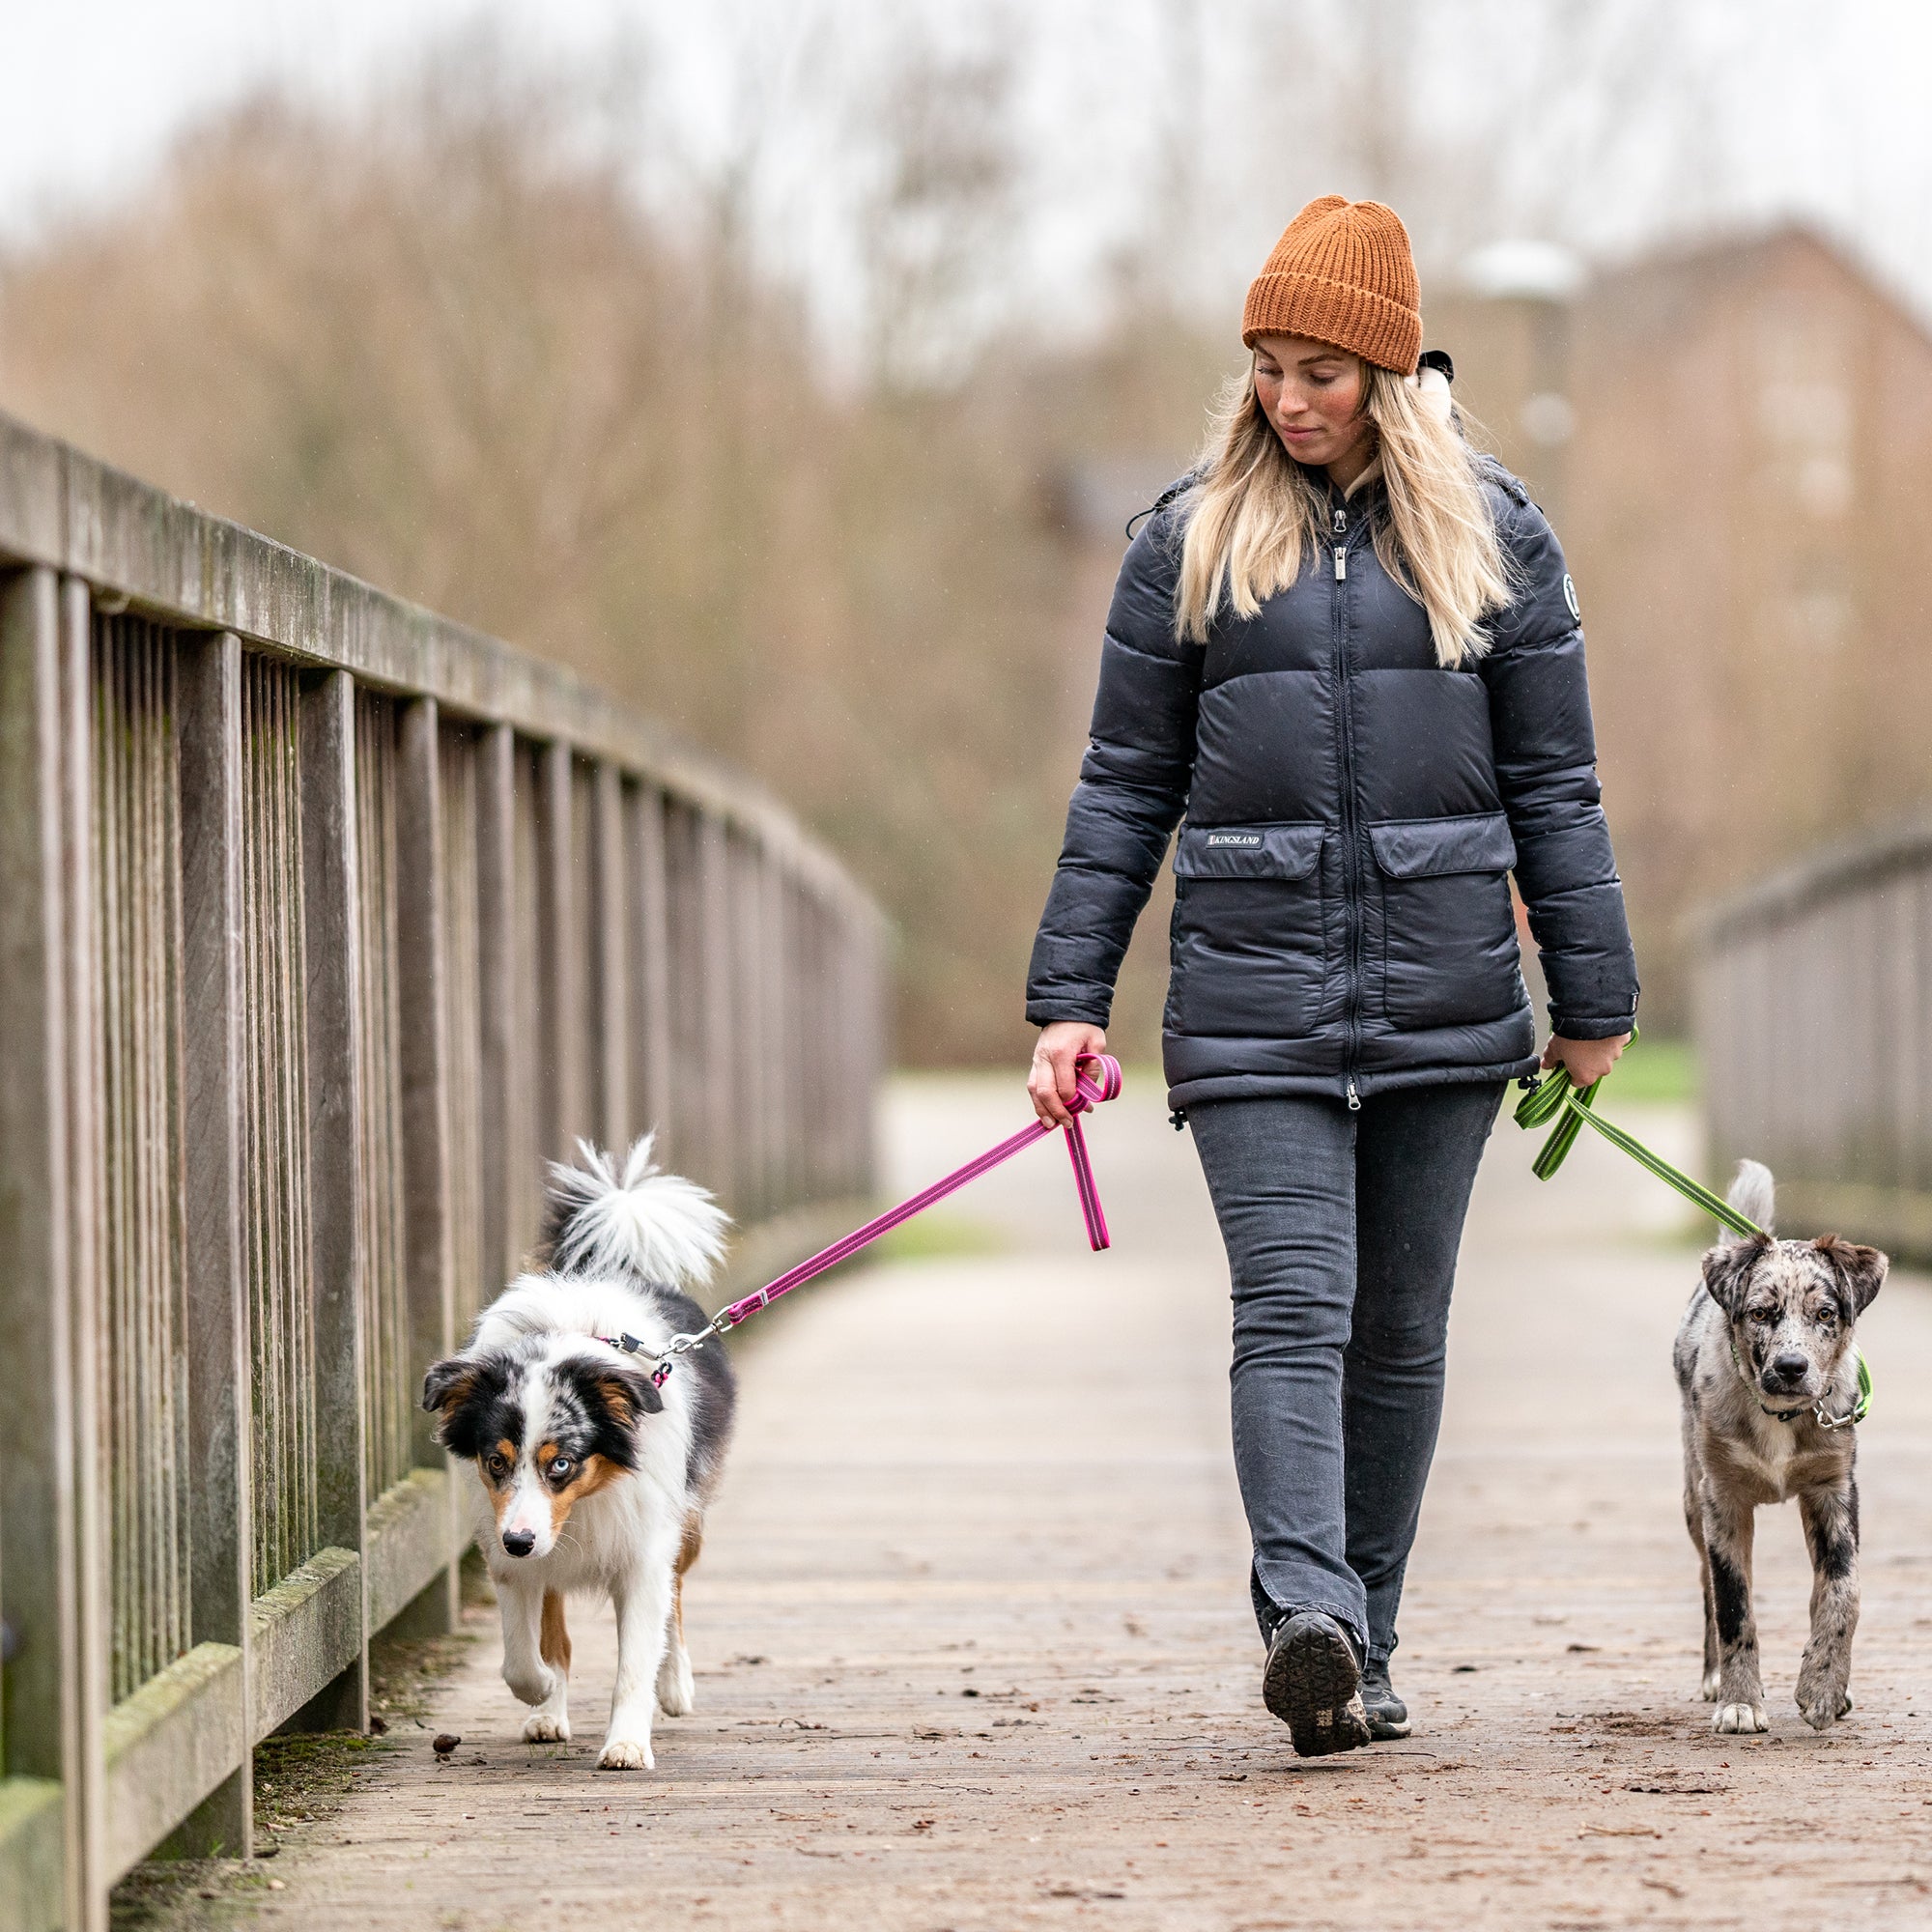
column 1341, row 919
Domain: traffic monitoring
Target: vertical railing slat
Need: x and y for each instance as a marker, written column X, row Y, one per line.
column 425, row 1072
column 611, row 1001
column 219, row 1414
column 496, row 988
column 332, row 941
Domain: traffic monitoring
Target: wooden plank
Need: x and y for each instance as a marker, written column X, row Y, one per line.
column 91, row 1603
column 651, row 1022
column 331, row 942
column 306, row 1640
column 170, row 1749
column 495, row 933
column 220, row 1419
column 561, row 1110
column 425, row 1050
column 610, row 1002
column 39, row 1714
column 717, row 1095
column 410, row 1540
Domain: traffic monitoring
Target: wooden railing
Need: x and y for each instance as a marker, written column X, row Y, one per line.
column 1816, row 1024
column 322, row 922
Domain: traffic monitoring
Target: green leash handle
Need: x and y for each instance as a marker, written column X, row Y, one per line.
column 1556, row 1097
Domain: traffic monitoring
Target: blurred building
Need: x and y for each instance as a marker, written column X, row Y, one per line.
column 1735, row 443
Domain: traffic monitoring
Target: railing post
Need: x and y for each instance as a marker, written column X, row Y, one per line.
column 219, row 1438
column 561, row 1083
column 76, row 649
column 651, row 1026
column 717, row 1094
column 40, row 1735
column 496, row 986
column 425, row 1082
column 611, row 1002
column 332, row 935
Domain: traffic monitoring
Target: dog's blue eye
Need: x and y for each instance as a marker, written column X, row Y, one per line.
column 561, row 1466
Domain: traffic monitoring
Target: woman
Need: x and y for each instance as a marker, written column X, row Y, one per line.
column 1346, row 649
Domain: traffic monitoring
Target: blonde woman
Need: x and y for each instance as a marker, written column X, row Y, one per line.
column 1344, row 658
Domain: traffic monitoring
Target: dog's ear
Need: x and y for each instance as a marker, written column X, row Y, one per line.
column 626, row 1393
column 449, row 1384
column 1860, row 1270
column 1728, row 1266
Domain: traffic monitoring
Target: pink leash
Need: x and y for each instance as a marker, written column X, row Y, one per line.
column 1104, row 1084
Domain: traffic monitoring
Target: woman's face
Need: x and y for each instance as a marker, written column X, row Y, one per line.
column 1311, row 394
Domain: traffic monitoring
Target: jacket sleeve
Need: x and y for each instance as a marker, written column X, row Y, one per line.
column 1131, row 793
column 1546, row 756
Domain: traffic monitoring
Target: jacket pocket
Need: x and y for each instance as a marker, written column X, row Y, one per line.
column 1449, row 951
column 1250, row 942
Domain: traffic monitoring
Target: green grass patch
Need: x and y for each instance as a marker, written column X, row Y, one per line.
column 1656, row 1071
column 936, row 1235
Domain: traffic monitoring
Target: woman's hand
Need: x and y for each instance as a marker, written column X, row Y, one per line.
column 1589, row 1060
column 1050, row 1081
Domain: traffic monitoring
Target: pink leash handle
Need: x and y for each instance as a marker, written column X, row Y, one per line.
column 1103, row 1083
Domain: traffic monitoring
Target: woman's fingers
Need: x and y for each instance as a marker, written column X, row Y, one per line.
column 1052, row 1081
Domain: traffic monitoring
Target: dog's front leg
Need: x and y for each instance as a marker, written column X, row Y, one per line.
column 524, row 1671
column 1728, row 1525
column 642, row 1599
column 1831, row 1517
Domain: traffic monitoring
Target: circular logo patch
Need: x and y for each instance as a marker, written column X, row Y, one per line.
column 1570, row 596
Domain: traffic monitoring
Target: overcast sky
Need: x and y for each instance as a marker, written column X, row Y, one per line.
column 1812, row 106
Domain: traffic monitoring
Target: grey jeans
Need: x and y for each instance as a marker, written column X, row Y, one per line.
column 1342, row 1229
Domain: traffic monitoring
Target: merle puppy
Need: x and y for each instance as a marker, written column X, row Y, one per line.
column 1770, row 1378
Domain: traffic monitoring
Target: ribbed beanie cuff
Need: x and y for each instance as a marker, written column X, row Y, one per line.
column 1342, row 272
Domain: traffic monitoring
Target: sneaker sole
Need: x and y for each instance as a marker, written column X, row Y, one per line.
column 1381, row 1729
column 1311, row 1684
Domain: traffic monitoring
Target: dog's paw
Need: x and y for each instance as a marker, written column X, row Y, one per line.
column 677, row 1698
column 1713, row 1683
column 1845, row 1704
column 626, row 1754
column 543, row 1729
column 1740, row 1720
column 530, row 1686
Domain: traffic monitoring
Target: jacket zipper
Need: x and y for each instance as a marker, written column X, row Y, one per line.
column 1351, row 896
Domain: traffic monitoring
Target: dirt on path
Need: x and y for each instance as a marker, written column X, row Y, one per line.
column 974, row 1649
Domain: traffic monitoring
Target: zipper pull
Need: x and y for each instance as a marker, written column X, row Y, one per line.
column 1341, row 565
column 1355, row 1100
column 1341, row 518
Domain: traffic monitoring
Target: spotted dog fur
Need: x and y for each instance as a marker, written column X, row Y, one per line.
column 1764, row 1345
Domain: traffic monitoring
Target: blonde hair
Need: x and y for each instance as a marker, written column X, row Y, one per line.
column 1254, row 512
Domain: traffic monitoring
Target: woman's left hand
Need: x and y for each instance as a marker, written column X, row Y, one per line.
column 1589, row 1060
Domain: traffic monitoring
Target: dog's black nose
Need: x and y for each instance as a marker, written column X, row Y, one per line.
column 519, row 1542
column 1790, row 1367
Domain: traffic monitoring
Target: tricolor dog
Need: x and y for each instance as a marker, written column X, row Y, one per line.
column 1768, row 1374
column 588, row 1476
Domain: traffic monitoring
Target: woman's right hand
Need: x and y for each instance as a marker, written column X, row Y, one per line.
column 1050, row 1081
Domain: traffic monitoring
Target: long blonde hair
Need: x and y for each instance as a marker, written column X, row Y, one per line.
column 1254, row 512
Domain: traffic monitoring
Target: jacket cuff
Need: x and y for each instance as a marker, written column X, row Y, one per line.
column 1043, row 1013
column 1572, row 1026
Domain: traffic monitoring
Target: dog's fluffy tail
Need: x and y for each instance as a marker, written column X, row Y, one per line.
column 1753, row 1195
column 658, row 1227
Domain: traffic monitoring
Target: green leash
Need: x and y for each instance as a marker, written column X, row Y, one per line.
column 1556, row 1096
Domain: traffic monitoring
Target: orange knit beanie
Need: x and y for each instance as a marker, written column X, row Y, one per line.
column 1342, row 272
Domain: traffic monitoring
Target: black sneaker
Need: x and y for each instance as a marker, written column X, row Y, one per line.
column 1387, row 1713
column 1312, row 1682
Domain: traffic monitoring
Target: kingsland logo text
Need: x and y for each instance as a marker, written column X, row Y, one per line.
column 1234, row 838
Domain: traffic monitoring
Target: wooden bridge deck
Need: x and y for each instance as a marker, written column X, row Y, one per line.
column 974, row 1652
